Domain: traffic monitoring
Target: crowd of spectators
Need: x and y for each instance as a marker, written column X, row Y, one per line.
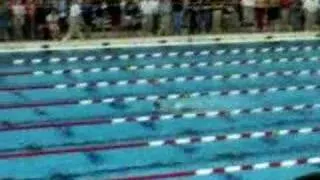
column 65, row 19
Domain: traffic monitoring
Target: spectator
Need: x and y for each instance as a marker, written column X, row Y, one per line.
column 42, row 31
column 132, row 15
column 75, row 21
column 165, row 17
column 311, row 8
column 230, row 19
column 285, row 9
column 88, row 15
column 260, row 13
column 205, row 16
column 156, row 17
column 30, row 19
column 248, row 12
column 149, row 9
column 177, row 13
column 274, row 15
column 63, row 14
column 297, row 16
column 18, row 12
column 100, row 16
column 34, row 19
column 194, row 18
column 114, row 10
column 53, row 23
column 4, row 21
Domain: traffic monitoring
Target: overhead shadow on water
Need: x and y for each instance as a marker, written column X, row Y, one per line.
column 60, row 176
column 231, row 156
column 9, row 178
column 119, row 105
column 70, row 77
column 228, row 118
column 94, row 158
column 270, row 141
column 20, row 95
column 40, row 112
column 189, row 149
column 232, row 177
column 6, row 124
column 149, row 125
column 33, row 147
column 190, row 132
column 66, row 132
column 90, row 90
column 311, row 176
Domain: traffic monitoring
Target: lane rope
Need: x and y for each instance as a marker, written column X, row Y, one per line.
column 234, row 51
column 164, row 80
column 159, row 143
column 153, row 98
column 7, row 126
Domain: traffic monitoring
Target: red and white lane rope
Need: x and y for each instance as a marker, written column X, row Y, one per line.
column 156, row 117
column 160, row 143
column 128, row 99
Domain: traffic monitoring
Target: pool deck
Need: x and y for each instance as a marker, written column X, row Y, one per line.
column 156, row 41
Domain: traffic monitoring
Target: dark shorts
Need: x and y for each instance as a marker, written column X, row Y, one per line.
column 274, row 13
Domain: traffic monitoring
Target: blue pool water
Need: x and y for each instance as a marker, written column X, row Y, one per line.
column 210, row 111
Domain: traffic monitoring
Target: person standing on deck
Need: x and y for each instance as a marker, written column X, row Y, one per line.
column 149, row 9
column 30, row 19
column 248, row 12
column 177, row 16
column 296, row 16
column 53, row 23
column 230, row 18
column 205, row 16
column 75, row 21
column 5, row 20
column 87, row 10
column 165, row 17
column 261, row 7
column 285, row 11
column 274, row 15
column 63, row 16
column 18, row 12
column 132, row 16
column 194, row 18
column 311, row 8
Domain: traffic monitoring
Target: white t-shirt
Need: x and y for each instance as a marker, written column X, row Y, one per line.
column 311, row 5
column 149, row 6
column 52, row 18
column 75, row 10
column 18, row 10
column 248, row 3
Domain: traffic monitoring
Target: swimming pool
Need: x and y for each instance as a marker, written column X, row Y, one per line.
column 192, row 111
